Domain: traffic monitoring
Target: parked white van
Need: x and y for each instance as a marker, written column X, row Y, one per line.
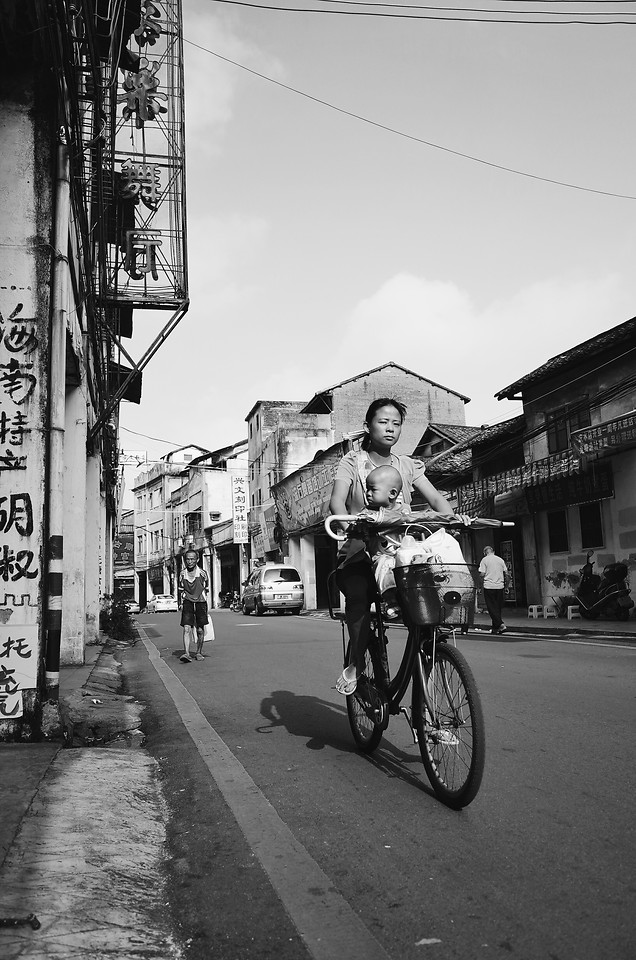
column 274, row 586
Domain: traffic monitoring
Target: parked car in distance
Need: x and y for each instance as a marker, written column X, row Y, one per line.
column 274, row 586
column 133, row 606
column 162, row 603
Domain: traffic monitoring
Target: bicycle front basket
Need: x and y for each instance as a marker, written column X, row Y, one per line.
column 436, row 593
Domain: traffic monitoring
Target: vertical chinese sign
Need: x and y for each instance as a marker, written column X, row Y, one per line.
column 145, row 181
column 507, row 554
column 22, row 358
column 239, row 509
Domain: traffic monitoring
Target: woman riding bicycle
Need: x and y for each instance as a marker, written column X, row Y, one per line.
column 355, row 579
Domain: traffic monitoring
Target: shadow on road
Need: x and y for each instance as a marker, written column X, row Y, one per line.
column 323, row 724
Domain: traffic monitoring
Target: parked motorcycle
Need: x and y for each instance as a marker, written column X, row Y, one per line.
column 606, row 595
column 235, row 602
column 230, row 599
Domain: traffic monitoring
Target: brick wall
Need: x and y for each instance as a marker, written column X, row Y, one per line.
column 424, row 401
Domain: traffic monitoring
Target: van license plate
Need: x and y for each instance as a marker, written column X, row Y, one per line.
column 283, row 596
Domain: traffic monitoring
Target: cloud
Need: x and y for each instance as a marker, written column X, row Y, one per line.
column 212, row 82
column 435, row 329
column 235, row 353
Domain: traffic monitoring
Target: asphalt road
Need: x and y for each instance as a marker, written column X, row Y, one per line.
column 285, row 842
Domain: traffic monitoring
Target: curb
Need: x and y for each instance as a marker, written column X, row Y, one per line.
column 98, row 713
column 602, row 630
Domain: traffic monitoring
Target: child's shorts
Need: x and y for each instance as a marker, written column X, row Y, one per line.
column 194, row 613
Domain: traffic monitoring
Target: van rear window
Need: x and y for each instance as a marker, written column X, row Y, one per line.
column 285, row 573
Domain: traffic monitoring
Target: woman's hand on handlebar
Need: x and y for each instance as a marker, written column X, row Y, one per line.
column 465, row 519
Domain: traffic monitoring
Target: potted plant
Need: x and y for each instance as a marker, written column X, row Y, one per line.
column 564, row 584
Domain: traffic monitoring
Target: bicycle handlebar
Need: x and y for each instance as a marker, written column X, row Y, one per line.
column 439, row 519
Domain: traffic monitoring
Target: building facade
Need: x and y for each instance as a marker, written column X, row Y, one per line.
column 563, row 471
column 154, row 537
column 209, row 514
column 300, row 497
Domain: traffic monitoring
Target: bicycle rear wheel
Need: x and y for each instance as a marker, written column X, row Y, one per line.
column 450, row 728
column 367, row 707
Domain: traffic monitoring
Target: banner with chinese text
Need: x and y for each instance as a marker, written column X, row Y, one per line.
column 239, row 509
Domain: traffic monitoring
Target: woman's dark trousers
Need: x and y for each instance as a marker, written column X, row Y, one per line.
column 357, row 582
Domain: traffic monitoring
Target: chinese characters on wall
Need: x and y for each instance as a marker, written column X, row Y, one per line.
column 21, row 472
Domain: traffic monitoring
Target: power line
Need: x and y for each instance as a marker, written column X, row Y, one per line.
column 459, row 19
column 409, row 136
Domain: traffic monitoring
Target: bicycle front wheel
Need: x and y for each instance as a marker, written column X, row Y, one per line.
column 450, row 723
column 367, row 707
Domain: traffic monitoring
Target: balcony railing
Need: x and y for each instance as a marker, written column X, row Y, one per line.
column 531, row 474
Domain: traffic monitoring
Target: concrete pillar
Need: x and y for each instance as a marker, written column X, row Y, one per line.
column 293, row 552
column 531, row 562
column 73, row 612
column 216, row 576
column 93, row 510
column 308, row 570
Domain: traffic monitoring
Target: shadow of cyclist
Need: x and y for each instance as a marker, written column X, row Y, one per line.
column 324, row 724
column 311, row 717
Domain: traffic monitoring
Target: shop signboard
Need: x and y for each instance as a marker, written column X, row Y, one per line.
column 507, row 555
column 268, row 523
column 611, row 436
column 239, row 509
column 155, row 574
column 123, row 549
column 302, row 499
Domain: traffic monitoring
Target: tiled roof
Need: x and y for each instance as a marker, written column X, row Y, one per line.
column 459, row 459
column 497, row 430
column 453, row 431
column 624, row 333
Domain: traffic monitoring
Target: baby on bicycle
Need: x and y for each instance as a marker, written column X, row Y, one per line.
column 383, row 489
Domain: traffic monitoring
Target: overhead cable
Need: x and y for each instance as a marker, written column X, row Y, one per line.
column 495, row 18
column 410, row 136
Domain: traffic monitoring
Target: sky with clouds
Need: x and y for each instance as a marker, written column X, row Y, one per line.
column 322, row 245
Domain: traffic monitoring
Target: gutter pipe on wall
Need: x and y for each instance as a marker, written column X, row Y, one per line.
column 57, row 404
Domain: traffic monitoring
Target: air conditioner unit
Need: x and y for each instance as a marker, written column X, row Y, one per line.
column 215, row 514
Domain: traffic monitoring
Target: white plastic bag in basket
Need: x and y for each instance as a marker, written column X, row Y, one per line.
column 440, row 547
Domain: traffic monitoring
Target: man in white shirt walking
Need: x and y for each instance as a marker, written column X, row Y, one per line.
column 495, row 576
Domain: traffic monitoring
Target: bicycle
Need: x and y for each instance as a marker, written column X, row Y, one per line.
column 446, row 717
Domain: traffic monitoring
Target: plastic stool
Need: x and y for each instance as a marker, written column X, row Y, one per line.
column 574, row 613
column 535, row 610
column 549, row 611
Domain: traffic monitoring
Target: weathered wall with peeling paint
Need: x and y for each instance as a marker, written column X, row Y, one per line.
column 25, row 258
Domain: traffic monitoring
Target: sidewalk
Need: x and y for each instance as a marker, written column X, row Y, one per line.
column 82, row 836
column 24, row 765
column 517, row 621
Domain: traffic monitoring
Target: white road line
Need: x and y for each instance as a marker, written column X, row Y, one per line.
column 591, row 643
column 329, row 927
